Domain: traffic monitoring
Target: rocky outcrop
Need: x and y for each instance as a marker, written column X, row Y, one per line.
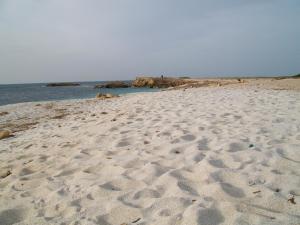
column 62, row 84
column 105, row 96
column 114, row 84
column 158, row 82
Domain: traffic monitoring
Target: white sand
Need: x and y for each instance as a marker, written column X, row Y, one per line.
column 176, row 157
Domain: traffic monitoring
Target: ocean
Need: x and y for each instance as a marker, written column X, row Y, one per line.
column 17, row 93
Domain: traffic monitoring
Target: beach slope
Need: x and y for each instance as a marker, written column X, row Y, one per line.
column 207, row 156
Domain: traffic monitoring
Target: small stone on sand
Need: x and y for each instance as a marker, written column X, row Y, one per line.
column 5, row 174
column 5, row 134
column 3, row 113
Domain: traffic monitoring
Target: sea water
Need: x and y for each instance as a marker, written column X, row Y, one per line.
column 16, row 93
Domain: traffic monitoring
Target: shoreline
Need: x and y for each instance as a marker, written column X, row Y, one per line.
column 273, row 83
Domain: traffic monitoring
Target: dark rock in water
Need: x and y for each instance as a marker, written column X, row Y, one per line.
column 114, row 84
column 62, row 84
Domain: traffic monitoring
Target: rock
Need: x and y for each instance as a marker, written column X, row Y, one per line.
column 5, row 173
column 114, row 84
column 3, row 113
column 62, row 84
column 158, row 82
column 109, row 95
column 100, row 95
column 5, row 134
column 105, row 96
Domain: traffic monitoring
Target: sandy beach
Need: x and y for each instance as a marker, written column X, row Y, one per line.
column 208, row 156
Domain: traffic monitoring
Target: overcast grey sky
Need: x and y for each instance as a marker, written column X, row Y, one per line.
column 81, row 40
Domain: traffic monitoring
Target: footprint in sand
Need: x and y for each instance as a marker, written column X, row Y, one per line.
column 123, row 143
column 232, row 190
column 165, row 213
column 289, row 154
column 236, row 147
column 210, row 217
column 147, row 193
column 12, row 216
column 186, row 187
column 203, row 144
column 26, row 184
column 188, row 137
column 109, row 186
column 26, row 171
column 217, row 163
column 66, row 172
column 199, row 157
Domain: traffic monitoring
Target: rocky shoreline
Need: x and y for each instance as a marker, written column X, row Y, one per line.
column 184, row 82
column 168, row 82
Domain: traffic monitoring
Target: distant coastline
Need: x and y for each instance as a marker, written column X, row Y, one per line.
column 18, row 93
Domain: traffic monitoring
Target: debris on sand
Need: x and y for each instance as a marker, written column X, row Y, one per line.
column 292, row 200
column 3, row 113
column 5, row 174
column 5, row 134
column 105, row 96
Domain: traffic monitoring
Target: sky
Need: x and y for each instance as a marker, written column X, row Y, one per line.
column 93, row 40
